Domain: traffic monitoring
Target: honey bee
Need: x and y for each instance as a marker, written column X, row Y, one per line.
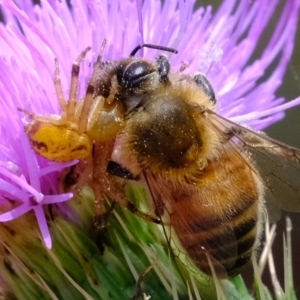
column 214, row 179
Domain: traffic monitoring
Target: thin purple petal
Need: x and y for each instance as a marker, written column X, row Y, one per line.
column 15, row 213
column 40, row 216
column 51, row 199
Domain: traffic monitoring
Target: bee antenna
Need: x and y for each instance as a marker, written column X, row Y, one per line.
column 151, row 46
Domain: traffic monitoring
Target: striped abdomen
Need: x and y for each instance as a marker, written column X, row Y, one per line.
column 219, row 218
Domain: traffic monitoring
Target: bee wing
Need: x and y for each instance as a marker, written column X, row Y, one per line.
column 278, row 164
column 193, row 234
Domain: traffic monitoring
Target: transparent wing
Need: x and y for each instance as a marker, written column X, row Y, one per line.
column 193, row 234
column 278, row 164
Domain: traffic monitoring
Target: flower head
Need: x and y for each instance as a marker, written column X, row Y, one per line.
column 15, row 187
column 221, row 45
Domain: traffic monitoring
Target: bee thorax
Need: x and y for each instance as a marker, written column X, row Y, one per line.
column 164, row 134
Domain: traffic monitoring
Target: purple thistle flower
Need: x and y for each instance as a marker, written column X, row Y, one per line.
column 14, row 186
column 220, row 45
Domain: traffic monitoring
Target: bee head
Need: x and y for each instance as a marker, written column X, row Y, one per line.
column 139, row 78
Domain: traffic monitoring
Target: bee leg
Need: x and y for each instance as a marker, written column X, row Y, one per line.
column 104, row 184
column 133, row 209
column 117, row 193
column 118, row 170
column 101, row 220
column 201, row 80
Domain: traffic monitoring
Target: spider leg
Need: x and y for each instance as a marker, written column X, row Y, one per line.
column 101, row 182
column 71, row 105
column 58, row 87
column 86, row 114
column 105, row 185
column 118, row 195
column 85, row 109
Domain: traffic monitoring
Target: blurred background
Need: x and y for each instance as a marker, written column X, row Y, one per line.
column 287, row 131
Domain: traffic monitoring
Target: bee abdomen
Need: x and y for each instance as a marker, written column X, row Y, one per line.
column 227, row 242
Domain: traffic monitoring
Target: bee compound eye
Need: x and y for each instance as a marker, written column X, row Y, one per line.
column 135, row 74
column 201, row 80
column 163, row 67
